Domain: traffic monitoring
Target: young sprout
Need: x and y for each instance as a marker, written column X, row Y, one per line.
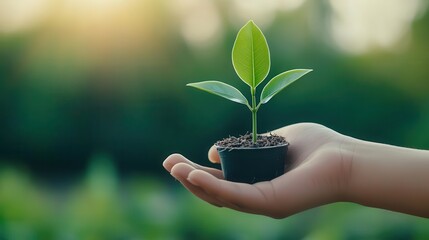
column 251, row 61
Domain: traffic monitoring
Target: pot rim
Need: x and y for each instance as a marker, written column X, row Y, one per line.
column 250, row 148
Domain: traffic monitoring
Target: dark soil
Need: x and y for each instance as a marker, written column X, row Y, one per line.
column 245, row 141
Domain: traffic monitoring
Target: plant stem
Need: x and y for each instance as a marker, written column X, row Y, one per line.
column 254, row 117
column 254, row 126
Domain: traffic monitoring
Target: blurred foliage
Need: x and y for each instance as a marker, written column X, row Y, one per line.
column 93, row 98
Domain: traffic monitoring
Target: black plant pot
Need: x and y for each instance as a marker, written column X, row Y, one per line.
column 252, row 165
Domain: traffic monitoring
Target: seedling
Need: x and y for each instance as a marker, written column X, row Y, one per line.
column 251, row 61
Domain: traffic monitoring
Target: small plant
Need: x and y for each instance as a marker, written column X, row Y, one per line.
column 251, row 61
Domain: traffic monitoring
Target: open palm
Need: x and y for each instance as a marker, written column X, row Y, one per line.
column 318, row 175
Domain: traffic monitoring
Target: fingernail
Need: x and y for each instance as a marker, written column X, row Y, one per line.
column 166, row 165
column 192, row 181
column 189, row 180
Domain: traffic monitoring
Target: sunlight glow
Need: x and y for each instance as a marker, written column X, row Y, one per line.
column 200, row 22
column 262, row 12
column 359, row 26
column 106, row 37
column 355, row 27
column 106, row 27
column 95, row 7
column 21, row 15
column 290, row 5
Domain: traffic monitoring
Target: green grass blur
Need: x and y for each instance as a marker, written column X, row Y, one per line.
column 93, row 98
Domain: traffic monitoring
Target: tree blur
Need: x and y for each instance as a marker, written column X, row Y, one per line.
column 93, row 98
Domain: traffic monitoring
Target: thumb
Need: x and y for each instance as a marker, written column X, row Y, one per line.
column 213, row 155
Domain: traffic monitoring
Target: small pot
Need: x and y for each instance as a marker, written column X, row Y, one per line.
column 252, row 165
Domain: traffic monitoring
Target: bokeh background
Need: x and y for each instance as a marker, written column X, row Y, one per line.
column 93, row 98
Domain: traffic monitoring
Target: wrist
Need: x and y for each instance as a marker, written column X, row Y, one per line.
column 388, row 177
column 336, row 159
column 346, row 167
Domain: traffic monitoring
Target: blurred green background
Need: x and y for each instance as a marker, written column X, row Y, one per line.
column 93, row 98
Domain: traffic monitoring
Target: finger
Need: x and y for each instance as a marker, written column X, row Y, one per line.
column 174, row 159
column 181, row 171
column 214, row 155
column 238, row 196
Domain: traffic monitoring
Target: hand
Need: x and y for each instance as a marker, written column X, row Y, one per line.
column 321, row 166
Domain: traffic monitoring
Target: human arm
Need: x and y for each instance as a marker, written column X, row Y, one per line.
column 327, row 167
column 390, row 177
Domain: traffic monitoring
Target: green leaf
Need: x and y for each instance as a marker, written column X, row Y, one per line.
column 250, row 55
column 221, row 89
column 281, row 81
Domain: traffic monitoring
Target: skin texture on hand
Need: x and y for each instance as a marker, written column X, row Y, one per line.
column 326, row 167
